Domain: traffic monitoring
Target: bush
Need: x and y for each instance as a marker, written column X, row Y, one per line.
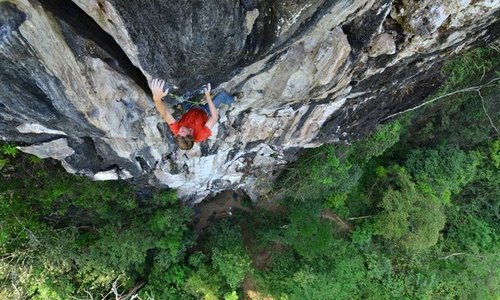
column 446, row 168
column 376, row 144
column 9, row 150
column 319, row 173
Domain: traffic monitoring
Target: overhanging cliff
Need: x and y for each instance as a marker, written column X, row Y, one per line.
column 74, row 79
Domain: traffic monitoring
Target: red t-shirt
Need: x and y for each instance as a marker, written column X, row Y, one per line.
column 195, row 119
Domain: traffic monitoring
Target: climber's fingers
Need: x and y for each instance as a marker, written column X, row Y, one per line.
column 157, row 86
column 207, row 89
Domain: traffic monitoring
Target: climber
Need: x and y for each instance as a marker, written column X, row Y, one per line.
column 196, row 123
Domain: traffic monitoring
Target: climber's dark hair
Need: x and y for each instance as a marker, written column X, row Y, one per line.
column 184, row 142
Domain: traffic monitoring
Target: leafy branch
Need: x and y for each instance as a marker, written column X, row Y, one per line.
column 476, row 89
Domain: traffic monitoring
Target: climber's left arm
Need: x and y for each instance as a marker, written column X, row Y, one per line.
column 214, row 116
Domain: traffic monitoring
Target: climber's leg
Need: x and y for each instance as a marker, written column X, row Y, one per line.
column 223, row 98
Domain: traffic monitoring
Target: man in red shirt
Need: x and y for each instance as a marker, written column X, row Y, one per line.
column 196, row 124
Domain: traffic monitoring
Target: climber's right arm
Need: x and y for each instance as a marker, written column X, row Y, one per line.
column 158, row 93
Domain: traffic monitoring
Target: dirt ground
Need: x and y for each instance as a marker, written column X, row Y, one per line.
column 219, row 207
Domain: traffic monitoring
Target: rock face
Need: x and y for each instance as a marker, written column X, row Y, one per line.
column 73, row 79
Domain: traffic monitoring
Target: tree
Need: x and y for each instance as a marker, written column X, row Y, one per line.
column 446, row 168
column 307, row 233
column 410, row 217
column 228, row 254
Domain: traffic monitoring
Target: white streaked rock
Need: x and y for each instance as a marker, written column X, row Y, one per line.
column 106, row 175
column 56, row 149
column 37, row 128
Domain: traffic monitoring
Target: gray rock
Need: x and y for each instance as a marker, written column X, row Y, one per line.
column 73, row 79
column 56, row 149
column 382, row 44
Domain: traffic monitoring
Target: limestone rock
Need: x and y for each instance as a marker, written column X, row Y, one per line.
column 382, row 44
column 74, row 79
column 57, row 149
column 250, row 18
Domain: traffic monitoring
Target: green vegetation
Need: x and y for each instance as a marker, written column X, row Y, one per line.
column 63, row 235
column 410, row 212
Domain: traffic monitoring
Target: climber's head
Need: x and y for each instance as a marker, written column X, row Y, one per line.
column 184, row 142
column 184, row 138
